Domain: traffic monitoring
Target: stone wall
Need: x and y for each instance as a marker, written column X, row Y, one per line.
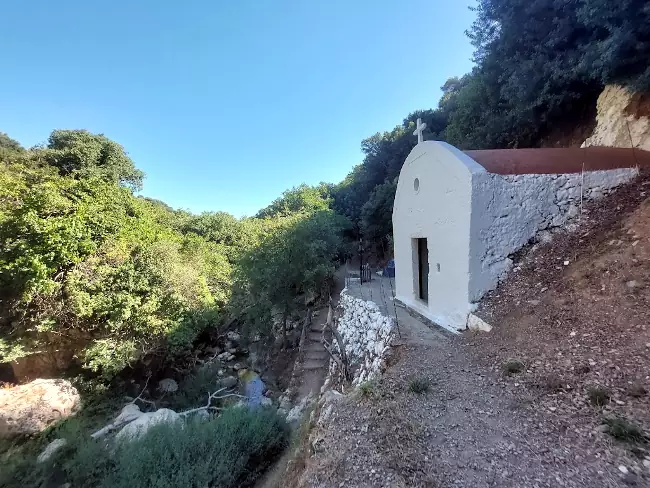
column 622, row 119
column 367, row 335
column 511, row 210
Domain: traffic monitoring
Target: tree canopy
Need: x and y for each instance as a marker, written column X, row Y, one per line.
column 82, row 154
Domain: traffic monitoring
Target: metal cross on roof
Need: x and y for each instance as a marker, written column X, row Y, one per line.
column 418, row 131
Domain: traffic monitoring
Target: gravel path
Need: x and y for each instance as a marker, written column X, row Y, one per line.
column 471, row 428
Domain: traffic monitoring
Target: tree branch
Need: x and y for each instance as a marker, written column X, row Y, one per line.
column 212, row 396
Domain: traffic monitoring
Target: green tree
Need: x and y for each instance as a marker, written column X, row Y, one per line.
column 86, row 266
column 377, row 215
column 83, row 154
column 303, row 198
column 10, row 149
column 296, row 256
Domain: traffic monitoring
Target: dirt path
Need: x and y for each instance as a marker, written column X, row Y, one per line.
column 472, row 428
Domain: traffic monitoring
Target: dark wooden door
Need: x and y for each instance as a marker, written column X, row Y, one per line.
column 423, row 269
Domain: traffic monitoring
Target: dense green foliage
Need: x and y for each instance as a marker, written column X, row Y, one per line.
column 540, row 65
column 296, row 259
column 82, row 154
column 226, row 451
column 86, row 266
column 303, row 198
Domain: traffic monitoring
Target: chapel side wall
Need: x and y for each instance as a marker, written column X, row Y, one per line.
column 508, row 211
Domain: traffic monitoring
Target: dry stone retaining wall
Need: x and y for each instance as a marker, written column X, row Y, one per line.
column 366, row 333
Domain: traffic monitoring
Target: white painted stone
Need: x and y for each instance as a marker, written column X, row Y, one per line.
column 477, row 323
column 474, row 221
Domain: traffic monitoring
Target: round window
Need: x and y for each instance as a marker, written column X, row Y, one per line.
column 416, row 184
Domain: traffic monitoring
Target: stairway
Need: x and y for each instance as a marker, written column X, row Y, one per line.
column 316, row 357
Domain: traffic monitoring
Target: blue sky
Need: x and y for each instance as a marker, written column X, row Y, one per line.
column 225, row 104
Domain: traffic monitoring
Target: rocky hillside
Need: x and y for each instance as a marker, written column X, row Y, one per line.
column 576, row 314
column 622, row 119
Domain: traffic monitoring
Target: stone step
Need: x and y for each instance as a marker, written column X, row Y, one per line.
column 314, row 336
column 315, row 364
column 314, row 346
column 317, row 328
column 322, row 354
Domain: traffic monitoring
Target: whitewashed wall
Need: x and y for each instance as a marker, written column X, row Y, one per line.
column 508, row 211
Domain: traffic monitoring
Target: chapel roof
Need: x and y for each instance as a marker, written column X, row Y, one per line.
column 558, row 160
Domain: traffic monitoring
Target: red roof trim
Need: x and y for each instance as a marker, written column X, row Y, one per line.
column 558, row 160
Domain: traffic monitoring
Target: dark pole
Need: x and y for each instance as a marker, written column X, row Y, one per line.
column 360, row 260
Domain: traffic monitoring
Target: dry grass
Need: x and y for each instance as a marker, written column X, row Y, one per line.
column 419, row 386
column 369, row 389
column 598, row 395
column 512, row 367
column 624, row 430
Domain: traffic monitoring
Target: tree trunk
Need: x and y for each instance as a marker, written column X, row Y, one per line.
column 285, row 316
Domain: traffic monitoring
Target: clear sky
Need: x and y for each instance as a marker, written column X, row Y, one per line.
column 225, row 104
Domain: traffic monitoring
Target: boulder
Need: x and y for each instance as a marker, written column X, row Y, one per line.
column 129, row 413
column 144, row 422
column 30, row 408
column 225, row 356
column 296, row 413
column 167, row 385
column 50, row 450
column 477, row 323
column 233, row 336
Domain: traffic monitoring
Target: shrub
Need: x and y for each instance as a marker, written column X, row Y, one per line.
column 624, row 430
column 367, row 389
column 598, row 395
column 512, row 367
column 419, row 386
column 227, row 451
column 194, row 389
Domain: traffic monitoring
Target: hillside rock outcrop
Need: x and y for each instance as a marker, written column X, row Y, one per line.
column 622, row 119
column 30, row 408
